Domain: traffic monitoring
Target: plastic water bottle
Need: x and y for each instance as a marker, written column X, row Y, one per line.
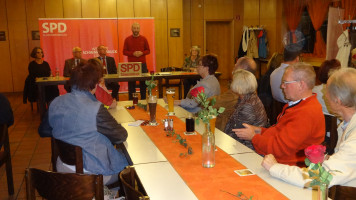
column 57, row 73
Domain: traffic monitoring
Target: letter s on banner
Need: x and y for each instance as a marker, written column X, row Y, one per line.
column 45, row 27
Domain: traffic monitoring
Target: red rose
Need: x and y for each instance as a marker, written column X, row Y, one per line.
column 315, row 153
column 194, row 92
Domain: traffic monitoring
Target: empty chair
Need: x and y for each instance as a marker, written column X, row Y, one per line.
column 132, row 185
column 70, row 186
column 176, row 82
column 5, row 157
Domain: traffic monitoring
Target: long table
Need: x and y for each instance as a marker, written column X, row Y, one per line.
column 44, row 81
column 160, row 179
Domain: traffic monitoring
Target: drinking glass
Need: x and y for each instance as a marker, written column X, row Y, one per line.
column 135, row 98
column 152, row 105
column 170, row 100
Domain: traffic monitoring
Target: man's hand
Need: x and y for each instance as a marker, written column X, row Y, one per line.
column 268, row 161
column 248, row 132
column 138, row 53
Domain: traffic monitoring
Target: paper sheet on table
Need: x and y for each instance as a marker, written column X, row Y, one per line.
column 136, row 123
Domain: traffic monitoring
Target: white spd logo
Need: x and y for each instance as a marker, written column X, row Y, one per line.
column 52, row 28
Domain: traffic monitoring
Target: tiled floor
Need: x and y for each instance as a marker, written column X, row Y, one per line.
column 27, row 148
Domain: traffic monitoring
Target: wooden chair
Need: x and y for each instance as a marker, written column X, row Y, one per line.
column 331, row 126
column 132, row 185
column 69, row 154
column 176, row 82
column 339, row 192
column 277, row 108
column 73, row 155
column 58, row 186
column 5, row 157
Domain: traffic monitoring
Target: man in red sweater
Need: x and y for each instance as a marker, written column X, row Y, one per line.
column 136, row 48
column 300, row 124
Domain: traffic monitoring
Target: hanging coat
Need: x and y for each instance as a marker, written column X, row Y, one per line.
column 344, row 45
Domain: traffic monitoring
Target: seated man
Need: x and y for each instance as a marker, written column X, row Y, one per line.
column 340, row 93
column 229, row 99
column 206, row 69
column 71, row 63
column 300, row 124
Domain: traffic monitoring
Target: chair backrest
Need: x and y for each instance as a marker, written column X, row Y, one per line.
column 69, row 154
column 331, row 126
column 5, row 157
column 132, row 185
column 338, row 192
column 170, row 69
column 53, row 185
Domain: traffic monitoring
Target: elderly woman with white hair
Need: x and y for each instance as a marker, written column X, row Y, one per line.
column 341, row 95
column 249, row 108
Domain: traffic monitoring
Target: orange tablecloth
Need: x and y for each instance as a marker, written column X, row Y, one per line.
column 206, row 183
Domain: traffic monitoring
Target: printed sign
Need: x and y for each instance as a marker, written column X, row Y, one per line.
column 129, row 69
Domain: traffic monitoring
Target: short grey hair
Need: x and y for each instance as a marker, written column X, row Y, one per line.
column 245, row 63
column 341, row 85
column 243, row 82
column 303, row 72
column 76, row 49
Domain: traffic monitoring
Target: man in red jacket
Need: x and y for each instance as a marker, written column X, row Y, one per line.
column 136, row 48
column 300, row 124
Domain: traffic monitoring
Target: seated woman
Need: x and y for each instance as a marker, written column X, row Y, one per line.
column 190, row 64
column 38, row 68
column 341, row 93
column 249, row 108
column 78, row 118
column 326, row 69
column 206, row 69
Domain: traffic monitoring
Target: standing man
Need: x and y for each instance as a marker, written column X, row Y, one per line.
column 109, row 67
column 290, row 57
column 136, row 48
column 71, row 63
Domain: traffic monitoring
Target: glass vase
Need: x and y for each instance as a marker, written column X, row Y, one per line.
column 323, row 191
column 208, row 148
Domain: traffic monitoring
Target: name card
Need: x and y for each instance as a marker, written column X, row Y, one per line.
column 130, row 69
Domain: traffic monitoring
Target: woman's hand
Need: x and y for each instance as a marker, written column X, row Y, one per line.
column 268, row 161
column 113, row 104
column 177, row 102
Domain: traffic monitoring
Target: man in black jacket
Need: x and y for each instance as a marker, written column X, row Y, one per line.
column 109, row 67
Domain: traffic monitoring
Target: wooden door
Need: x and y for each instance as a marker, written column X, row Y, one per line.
column 219, row 41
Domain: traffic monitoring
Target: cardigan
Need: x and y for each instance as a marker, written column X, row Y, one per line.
column 297, row 127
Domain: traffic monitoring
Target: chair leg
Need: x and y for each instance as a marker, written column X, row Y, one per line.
column 10, row 180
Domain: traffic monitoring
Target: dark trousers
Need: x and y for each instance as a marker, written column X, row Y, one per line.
column 132, row 85
column 114, row 86
column 188, row 83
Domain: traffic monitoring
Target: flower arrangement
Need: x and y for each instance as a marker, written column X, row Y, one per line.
column 208, row 111
column 182, row 141
column 150, row 85
column 319, row 175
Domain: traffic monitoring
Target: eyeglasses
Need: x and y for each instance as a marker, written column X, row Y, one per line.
column 288, row 82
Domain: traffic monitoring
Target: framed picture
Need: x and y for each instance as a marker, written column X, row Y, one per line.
column 35, row 35
column 175, row 32
column 2, row 36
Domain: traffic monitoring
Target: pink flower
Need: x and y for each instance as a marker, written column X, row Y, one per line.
column 194, row 92
column 315, row 153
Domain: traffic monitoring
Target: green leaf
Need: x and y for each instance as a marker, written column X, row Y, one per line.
column 311, row 174
column 314, row 182
column 213, row 101
column 221, row 110
column 313, row 166
column 307, row 162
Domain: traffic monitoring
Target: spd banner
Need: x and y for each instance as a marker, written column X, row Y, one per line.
column 59, row 36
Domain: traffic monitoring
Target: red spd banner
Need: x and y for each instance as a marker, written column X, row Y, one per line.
column 59, row 36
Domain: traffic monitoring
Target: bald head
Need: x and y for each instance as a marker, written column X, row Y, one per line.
column 245, row 63
column 135, row 28
column 77, row 52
